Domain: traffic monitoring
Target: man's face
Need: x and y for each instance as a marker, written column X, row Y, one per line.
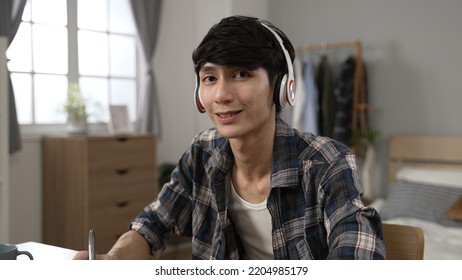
column 238, row 101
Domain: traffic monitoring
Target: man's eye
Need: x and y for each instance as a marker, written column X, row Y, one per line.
column 241, row 74
column 208, row 79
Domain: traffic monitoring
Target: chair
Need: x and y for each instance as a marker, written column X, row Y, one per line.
column 403, row 242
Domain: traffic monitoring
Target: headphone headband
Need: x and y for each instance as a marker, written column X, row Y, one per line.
column 287, row 90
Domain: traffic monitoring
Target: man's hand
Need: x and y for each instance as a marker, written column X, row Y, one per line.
column 130, row 246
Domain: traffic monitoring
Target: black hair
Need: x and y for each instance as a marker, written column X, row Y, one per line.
column 244, row 42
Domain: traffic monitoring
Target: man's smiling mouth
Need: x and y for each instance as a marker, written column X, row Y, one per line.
column 228, row 114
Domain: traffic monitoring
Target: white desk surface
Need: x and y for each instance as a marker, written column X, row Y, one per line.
column 42, row 251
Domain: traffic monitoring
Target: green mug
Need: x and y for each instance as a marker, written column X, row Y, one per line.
column 11, row 252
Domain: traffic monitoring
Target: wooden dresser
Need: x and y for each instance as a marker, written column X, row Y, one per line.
column 99, row 182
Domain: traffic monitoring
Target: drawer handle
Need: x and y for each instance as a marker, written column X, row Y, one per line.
column 121, row 138
column 122, row 204
column 122, row 171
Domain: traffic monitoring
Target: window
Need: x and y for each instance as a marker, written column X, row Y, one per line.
column 92, row 42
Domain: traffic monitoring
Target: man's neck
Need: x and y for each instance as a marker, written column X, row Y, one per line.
column 252, row 165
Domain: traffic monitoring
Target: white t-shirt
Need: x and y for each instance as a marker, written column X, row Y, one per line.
column 253, row 224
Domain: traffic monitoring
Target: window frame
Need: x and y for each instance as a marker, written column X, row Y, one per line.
column 31, row 129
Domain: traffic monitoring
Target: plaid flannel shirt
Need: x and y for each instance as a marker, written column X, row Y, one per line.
column 314, row 201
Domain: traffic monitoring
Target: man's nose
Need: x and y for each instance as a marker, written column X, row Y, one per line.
column 224, row 91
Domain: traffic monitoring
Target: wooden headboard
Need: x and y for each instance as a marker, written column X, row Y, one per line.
column 424, row 151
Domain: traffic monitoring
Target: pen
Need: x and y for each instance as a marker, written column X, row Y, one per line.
column 91, row 245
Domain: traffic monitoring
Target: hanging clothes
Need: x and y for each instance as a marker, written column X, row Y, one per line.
column 324, row 82
column 344, row 102
column 311, row 102
column 349, row 119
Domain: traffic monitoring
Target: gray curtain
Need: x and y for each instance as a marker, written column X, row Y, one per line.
column 147, row 17
column 10, row 18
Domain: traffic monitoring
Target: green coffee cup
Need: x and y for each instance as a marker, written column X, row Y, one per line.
column 11, row 252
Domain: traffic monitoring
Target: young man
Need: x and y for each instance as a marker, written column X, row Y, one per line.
column 254, row 188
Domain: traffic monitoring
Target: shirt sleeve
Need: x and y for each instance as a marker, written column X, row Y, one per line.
column 170, row 211
column 354, row 231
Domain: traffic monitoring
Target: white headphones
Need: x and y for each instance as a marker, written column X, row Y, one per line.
column 284, row 89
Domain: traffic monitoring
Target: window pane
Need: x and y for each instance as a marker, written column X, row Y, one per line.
column 50, row 95
column 49, row 12
column 121, row 17
column 95, row 91
column 20, row 50
column 123, row 92
column 122, row 56
column 22, row 85
column 93, row 53
column 50, row 49
column 26, row 14
column 92, row 14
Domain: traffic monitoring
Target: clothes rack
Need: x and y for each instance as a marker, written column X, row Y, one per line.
column 325, row 46
column 360, row 104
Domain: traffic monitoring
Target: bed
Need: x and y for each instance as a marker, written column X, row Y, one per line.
column 425, row 190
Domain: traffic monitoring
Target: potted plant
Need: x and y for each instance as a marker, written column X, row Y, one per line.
column 363, row 140
column 76, row 111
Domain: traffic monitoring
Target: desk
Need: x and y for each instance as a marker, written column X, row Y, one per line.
column 42, row 251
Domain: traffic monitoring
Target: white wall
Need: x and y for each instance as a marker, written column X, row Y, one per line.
column 410, row 47
column 26, row 193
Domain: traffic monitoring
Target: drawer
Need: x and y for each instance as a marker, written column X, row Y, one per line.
column 112, row 186
column 118, row 153
column 110, row 222
column 123, row 199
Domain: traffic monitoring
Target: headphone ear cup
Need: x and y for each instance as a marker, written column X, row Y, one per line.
column 280, row 91
column 197, row 97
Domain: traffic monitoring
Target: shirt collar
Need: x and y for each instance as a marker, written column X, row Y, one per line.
column 285, row 157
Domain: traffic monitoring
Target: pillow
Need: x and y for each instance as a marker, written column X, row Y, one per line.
column 455, row 212
column 436, row 177
column 421, row 201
